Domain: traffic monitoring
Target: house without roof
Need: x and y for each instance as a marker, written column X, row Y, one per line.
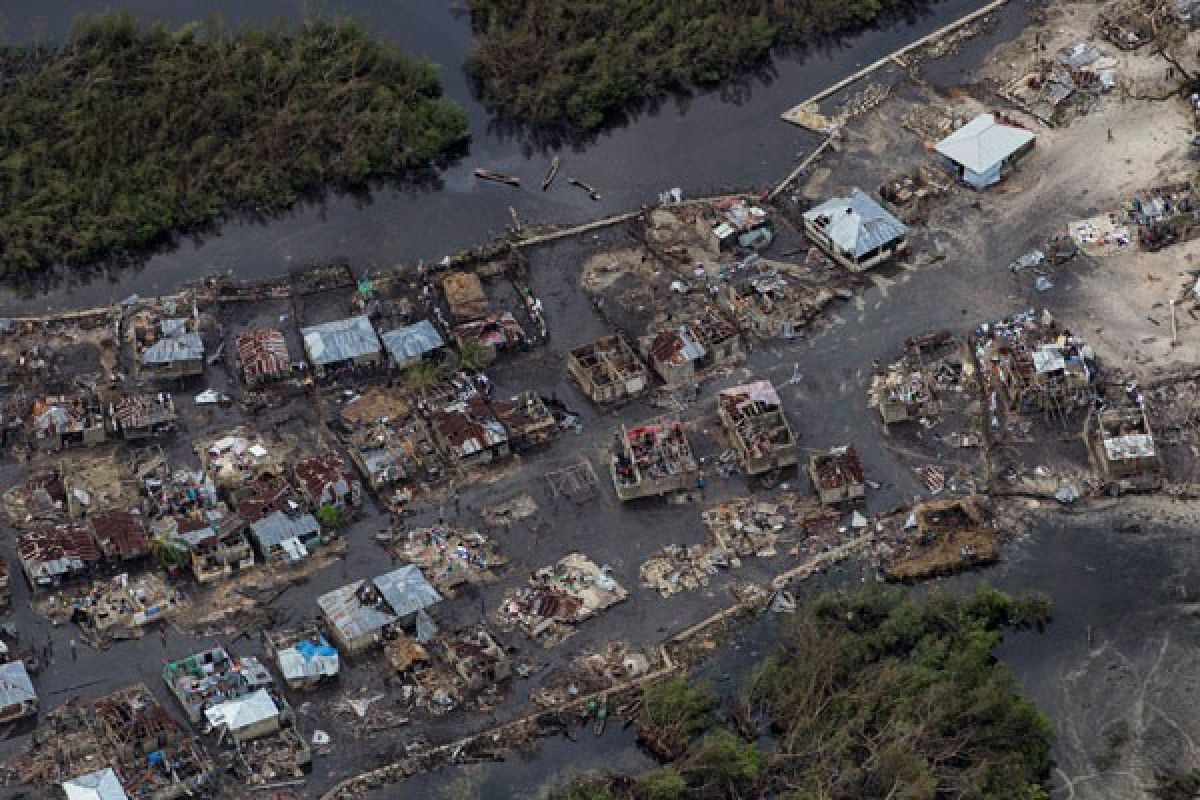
column 980, row 152
column 855, row 231
column 753, row 417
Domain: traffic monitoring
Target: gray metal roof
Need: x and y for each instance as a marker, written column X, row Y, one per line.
column 103, row 784
column 340, row 340
column 351, row 618
column 277, row 527
column 413, row 341
column 405, row 590
column 15, row 686
column 857, row 224
column 181, row 347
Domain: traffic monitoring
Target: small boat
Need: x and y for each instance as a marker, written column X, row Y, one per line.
column 498, row 177
column 552, row 173
column 591, row 192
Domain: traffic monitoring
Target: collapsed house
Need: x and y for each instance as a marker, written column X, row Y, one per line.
column 93, row 485
column 1119, row 436
column 855, row 231
column 771, row 303
column 837, row 476
column 304, row 656
column 140, row 416
column 494, row 334
column 1029, row 364
column 528, row 420
column 916, row 386
column 124, row 736
column 477, row 658
column 681, row 354
column 390, row 445
column 341, row 345
column 468, row 433
column 359, row 614
column 450, row 557
column 205, row 679
column 607, row 370
column 172, row 350
column 758, row 429
column 741, row 225
column 981, row 152
column 120, row 535
column 325, row 480
column 53, row 554
column 1056, row 89
column 263, row 356
column 559, row 598
column 58, row 422
column 125, row 603
column 1165, row 215
column 652, row 460
column 408, row 345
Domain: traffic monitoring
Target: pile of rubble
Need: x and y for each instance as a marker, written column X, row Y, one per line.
column 450, row 557
column 558, row 598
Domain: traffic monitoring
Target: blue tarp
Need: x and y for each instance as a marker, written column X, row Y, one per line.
column 312, row 649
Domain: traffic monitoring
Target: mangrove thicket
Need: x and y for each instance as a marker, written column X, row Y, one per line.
column 122, row 134
column 577, row 62
column 872, row 694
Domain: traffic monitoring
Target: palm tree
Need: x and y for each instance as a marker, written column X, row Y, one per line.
column 423, row 376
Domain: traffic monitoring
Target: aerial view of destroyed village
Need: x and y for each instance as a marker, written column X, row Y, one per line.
column 600, row 399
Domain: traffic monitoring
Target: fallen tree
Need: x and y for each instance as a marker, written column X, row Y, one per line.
column 872, row 694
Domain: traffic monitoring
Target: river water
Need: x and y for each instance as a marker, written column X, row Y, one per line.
column 710, row 141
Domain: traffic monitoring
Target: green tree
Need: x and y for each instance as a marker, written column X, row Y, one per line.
column 168, row 551
column 472, row 355
column 332, row 517
column 423, row 376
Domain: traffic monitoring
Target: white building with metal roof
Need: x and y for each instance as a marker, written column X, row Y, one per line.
column 855, row 231
column 979, row 152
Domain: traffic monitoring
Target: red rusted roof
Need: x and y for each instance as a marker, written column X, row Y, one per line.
column 120, row 532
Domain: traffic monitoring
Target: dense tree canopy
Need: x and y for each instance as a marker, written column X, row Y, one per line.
column 120, row 134
column 575, row 62
column 874, row 694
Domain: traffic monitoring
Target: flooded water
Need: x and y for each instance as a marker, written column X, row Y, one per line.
column 1124, row 604
column 710, row 141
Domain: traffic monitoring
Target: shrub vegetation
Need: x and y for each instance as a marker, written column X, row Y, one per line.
column 122, row 134
column 576, row 62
